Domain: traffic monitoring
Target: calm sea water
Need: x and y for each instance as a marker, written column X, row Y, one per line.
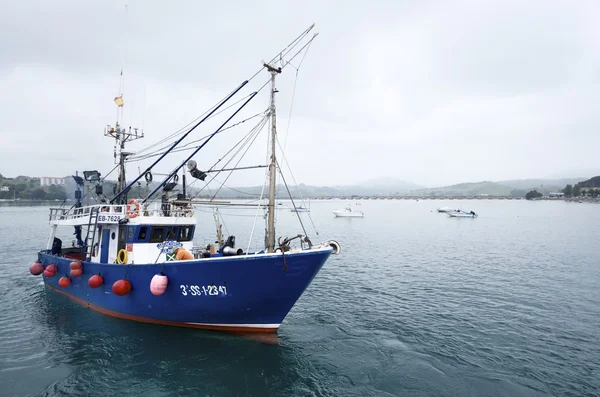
column 417, row 304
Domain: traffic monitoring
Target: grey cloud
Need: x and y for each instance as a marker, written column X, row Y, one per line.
column 430, row 92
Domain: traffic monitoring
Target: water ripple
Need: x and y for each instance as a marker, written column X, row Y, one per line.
column 418, row 304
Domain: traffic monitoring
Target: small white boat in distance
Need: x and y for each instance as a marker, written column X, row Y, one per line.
column 300, row 209
column 462, row 214
column 445, row 209
column 348, row 212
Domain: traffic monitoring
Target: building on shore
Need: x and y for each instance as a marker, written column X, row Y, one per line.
column 50, row 180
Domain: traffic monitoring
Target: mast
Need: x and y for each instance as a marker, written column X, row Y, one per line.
column 270, row 238
column 121, row 135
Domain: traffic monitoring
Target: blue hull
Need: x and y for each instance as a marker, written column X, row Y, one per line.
column 240, row 293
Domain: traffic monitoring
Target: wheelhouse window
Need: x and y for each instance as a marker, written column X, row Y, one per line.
column 143, row 233
column 130, row 233
column 157, row 235
column 171, row 234
column 186, row 233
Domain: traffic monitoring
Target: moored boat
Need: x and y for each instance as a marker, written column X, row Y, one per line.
column 348, row 212
column 461, row 214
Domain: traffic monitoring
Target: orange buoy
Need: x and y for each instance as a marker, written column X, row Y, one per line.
column 95, row 281
column 64, row 281
column 75, row 265
column 121, row 287
column 36, row 268
column 158, row 284
column 76, row 272
column 50, row 270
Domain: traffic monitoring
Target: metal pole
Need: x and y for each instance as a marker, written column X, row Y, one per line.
column 270, row 240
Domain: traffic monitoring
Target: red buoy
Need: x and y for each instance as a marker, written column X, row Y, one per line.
column 121, row 287
column 50, row 270
column 95, row 281
column 36, row 269
column 158, row 284
column 75, row 265
column 64, row 281
column 76, row 272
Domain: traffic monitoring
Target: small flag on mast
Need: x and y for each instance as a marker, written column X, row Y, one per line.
column 119, row 101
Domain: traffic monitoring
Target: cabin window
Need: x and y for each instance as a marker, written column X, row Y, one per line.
column 130, row 233
column 157, row 235
column 171, row 234
column 185, row 233
column 143, row 234
column 121, row 241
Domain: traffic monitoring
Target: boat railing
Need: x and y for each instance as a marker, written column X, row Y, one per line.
column 60, row 214
column 168, row 209
column 120, row 210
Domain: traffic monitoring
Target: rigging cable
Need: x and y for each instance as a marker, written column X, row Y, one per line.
column 242, row 156
column 183, row 137
column 200, row 147
column 220, row 104
column 185, row 147
column 262, row 192
column 288, row 190
column 182, row 129
column 297, row 188
column 292, row 104
column 282, row 53
column 257, row 128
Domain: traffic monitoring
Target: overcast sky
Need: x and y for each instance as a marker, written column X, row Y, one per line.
column 431, row 92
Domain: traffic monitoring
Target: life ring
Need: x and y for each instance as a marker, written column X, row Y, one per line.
column 122, row 256
column 135, row 212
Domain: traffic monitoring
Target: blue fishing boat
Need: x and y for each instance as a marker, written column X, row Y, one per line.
column 135, row 257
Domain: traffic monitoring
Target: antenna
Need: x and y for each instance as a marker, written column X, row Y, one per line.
column 122, row 135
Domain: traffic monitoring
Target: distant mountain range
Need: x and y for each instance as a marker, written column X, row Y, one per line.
column 372, row 187
column 387, row 186
column 378, row 186
column 518, row 187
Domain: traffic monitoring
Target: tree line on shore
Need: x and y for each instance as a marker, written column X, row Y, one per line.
column 590, row 187
column 26, row 188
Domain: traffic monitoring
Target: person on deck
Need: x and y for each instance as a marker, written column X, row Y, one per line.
column 182, row 254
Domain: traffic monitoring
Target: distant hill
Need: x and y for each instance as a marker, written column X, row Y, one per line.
column 517, row 188
column 467, row 189
column 528, row 184
column 379, row 186
column 592, row 182
column 372, row 187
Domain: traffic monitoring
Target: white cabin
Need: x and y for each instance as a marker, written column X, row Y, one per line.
column 145, row 236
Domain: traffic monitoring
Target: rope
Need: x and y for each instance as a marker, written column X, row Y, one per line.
column 281, row 54
column 258, row 207
column 256, row 130
column 236, row 164
column 185, row 147
column 299, row 191
column 183, row 129
column 297, row 213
